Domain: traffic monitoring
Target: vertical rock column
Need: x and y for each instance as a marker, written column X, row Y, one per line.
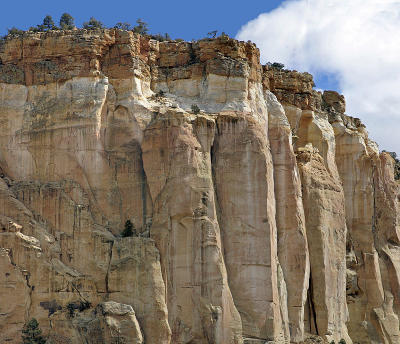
column 176, row 157
column 292, row 240
column 323, row 201
column 245, row 192
column 373, row 244
column 326, row 234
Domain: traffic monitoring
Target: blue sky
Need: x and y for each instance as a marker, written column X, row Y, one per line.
column 181, row 19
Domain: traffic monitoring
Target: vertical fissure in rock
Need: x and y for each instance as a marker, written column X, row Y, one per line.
column 192, row 53
column 216, row 199
column 26, row 276
column 109, row 265
column 374, row 220
column 143, row 190
column 313, row 313
column 218, row 211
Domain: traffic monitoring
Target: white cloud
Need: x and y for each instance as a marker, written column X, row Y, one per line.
column 357, row 40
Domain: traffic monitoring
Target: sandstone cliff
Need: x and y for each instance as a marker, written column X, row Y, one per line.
column 267, row 216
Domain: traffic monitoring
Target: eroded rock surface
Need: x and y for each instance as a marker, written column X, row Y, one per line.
column 267, row 216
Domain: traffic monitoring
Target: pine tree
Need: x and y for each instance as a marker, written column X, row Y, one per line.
column 66, row 22
column 48, row 23
column 195, row 109
column 32, row 334
column 128, row 230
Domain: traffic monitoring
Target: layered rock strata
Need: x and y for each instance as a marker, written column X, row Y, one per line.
column 268, row 215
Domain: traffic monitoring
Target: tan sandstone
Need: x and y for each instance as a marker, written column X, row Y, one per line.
column 269, row 216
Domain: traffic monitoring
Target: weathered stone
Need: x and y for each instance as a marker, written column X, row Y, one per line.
column 268, row 216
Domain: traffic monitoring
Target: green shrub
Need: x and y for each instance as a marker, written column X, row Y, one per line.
column 84, row 305
column 128, row 230
column 32, row 334
column 224, row 35
column 342, row 341
column 71, row 309
column 212, row 34
column 141, row 27
column 66, row 22
column 123, row 26
column 93, row 24
column 195, row 109
column 161, row 38
column 15, row 31
column 276, row 65
column 34, row 29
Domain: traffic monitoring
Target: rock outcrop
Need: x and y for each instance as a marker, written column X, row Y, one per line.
column 268, row 215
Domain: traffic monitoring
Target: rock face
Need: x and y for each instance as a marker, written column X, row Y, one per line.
column 267, row 216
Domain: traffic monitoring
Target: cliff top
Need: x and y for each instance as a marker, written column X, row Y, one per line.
column 38, row 58
column 32, row 47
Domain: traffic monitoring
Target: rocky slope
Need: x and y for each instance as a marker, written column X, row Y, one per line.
column 268, row 216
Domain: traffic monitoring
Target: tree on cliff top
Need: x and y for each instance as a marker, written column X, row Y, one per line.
column 67, row 22
column 32, row 334
column 48, row 23
column 93, row 24
column 212, row 34
column 276, row 65
column 141, row 27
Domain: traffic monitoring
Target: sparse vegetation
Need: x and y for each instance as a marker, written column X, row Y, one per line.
column 161, row 38
column 160, row 94
column 15, row 31
column 276, row 65
column 195, row 109
column 35, row 29
column 128, row 230
column 79, row 305
column 83, row 305
column 141, row 27
column 71, row 309
column 93, row 24
column 67, row 22
column 123, row 26
column 342, row 341
column 32, row 334
column 224, row 35
column 212, row 34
